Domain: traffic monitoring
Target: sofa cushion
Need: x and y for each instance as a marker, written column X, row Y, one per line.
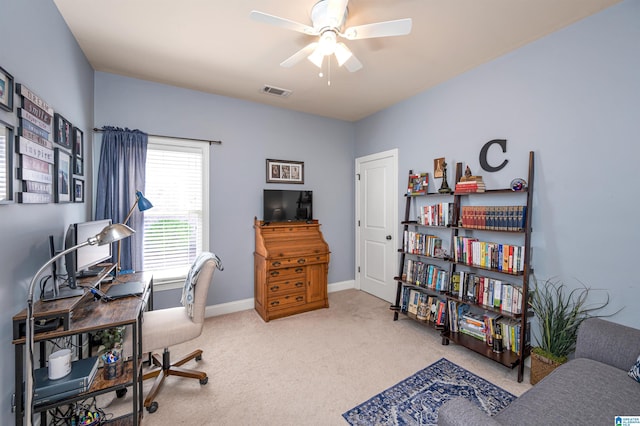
column 635, row 370
column 578, row 390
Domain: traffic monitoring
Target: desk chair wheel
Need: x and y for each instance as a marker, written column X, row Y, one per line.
column 153, row 407
column 199, row 358
column 121, row 392
column 204, row 381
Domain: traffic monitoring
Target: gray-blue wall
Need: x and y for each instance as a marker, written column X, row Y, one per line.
column 37, row 48
column 574, row 99
column 571, row 97
column 250, row 134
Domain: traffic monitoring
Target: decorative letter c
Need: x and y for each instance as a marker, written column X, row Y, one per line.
column 483, row 155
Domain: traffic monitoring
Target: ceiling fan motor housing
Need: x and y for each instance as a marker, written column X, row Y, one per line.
column 322, row 21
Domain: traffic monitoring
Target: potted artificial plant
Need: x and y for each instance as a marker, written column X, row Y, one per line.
column 109, row 339
column 560, row 312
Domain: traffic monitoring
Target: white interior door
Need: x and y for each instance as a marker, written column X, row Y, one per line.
column 376, row 222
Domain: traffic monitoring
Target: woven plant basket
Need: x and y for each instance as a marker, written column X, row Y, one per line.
column 541, row 367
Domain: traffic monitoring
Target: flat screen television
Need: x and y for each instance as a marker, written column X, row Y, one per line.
column 281, row 205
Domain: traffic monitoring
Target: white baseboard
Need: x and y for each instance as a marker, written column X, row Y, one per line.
column 246, row 304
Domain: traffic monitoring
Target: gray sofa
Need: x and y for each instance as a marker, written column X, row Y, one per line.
column 591, row 389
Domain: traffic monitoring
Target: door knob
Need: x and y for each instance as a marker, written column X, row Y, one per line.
column 388, row 237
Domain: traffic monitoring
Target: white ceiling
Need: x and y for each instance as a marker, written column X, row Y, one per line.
column 213, row 46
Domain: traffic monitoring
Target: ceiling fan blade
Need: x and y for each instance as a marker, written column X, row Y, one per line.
column 379, row 29
column 282, row 22
column 335, row 12
column 353, row 64
column 299, row 55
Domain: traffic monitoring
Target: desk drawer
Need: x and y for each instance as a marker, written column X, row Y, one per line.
column 298, row 272
column 300, row 261
column 282, row 287
column 286, row 301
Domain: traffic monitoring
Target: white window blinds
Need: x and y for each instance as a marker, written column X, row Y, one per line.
column 176, row 228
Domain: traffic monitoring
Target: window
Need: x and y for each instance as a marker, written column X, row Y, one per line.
column 176, row 228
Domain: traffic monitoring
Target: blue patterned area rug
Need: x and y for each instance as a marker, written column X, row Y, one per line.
column 416, row 400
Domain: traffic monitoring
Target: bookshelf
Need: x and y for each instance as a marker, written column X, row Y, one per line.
column 487, row 263
column 423, row 275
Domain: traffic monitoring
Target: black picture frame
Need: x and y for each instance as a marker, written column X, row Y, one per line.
column 78, row 151
column 6, row 163
column 78, row 190
column 285, row 171
column 78, row 143
column 6, row 90
column 78, row 166
column 62, row 176
column 62, row 131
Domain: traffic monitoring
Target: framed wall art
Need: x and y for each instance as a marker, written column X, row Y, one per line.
column 62, row 131
column 62, row 176
column 78, row 190
column 6, row 90
column 283, row 171
column 6, row 163
column 438, row 167
column 78, row 151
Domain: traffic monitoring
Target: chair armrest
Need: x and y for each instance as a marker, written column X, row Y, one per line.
column 608, row 342
column 462, row 412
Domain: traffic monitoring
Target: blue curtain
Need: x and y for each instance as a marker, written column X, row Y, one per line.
column 121, row 173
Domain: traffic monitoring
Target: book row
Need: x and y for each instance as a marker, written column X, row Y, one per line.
column 486, row 326
column 501, row 257
column 500, row 218
column 423, row 244
column 425, row 275
column 440, row 214
column 486, row 291
column 425, row 307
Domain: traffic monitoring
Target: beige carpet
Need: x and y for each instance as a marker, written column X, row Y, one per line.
column 307, row 369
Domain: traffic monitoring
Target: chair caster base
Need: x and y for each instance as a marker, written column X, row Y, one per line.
column 153, row 407
column 204, row 381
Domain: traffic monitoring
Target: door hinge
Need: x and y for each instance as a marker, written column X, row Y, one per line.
column 358, row 175
column 358, row 269
column 358, row 222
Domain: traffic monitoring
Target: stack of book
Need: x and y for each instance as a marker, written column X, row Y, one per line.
column 470, row 184
column 472, row 325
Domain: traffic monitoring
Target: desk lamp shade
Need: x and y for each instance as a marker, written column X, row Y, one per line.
column 142, row 203
column 110, row 234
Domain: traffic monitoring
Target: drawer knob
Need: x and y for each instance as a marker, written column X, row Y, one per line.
column 299, row 284
column 275, row 288
column 302, row 260
column 275, row 303
column 299, row 299
column 276, row 263
column 275, row 273
column 299, row 270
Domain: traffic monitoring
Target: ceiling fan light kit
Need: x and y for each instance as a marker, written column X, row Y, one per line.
column 328, row 18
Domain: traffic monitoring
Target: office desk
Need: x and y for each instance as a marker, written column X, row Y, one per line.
column 83, row 314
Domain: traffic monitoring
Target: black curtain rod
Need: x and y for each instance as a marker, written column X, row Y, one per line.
column 95, row 129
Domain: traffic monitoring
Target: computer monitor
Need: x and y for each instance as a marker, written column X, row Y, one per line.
column 79, row 262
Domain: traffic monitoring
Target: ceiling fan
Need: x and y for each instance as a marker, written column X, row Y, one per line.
column 329, row 17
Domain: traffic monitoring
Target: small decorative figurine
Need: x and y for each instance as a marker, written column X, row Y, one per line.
column 444, row 188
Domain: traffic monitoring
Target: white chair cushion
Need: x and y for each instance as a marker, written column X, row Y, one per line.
column 167, row 327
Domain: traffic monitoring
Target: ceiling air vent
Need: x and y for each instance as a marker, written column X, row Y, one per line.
column 276, row 91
